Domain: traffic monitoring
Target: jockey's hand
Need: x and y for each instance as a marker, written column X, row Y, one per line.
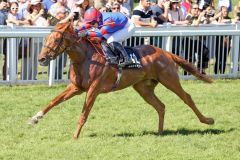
column 76, row 30
column 82, row 33
column 71, row 15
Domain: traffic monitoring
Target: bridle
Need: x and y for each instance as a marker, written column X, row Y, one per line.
column 60, row 46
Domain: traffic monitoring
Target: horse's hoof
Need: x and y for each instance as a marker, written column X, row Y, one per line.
column 33, row 121
column 160, row 132
column 209, row 121
column 75, row 137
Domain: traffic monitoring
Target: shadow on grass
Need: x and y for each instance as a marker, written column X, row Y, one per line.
column 182, row 131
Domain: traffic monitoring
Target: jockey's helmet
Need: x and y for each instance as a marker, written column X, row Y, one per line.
column 92, row 15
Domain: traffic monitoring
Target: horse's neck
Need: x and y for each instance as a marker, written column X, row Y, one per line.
column 80, row 52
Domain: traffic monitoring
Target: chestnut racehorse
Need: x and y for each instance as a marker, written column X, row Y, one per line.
column 90, row 73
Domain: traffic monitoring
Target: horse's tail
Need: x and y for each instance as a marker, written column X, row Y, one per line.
column 190, row 68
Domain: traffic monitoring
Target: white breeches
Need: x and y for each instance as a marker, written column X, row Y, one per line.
column 122, row 34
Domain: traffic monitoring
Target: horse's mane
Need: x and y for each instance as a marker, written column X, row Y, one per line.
column 64, row 26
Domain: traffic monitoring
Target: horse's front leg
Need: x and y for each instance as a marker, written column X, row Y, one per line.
column 70, row 91
column 89, row 101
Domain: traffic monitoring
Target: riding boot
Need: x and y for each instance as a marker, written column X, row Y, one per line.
column 117, row 47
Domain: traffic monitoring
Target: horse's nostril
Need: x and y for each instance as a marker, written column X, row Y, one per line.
column 41, row 59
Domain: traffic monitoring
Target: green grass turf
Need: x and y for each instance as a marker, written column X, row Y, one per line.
column 121, row 125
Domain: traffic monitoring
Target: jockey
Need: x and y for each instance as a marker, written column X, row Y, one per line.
column 115, row 27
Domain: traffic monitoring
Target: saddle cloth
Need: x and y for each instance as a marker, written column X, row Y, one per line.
column 112, row 58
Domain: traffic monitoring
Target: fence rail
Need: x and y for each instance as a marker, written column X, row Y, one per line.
column 214, row 49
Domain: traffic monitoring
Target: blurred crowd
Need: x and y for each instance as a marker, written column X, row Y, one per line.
column 48, row 12
column 184, row 12
column 147, row 13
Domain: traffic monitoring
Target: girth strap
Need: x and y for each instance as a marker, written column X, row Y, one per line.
column 119, row 76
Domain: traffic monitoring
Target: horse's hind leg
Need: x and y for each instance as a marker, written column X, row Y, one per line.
column 68, row 93
column 171, row 81
column 146, row 90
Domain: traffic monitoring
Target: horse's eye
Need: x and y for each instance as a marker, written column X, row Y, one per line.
column 57, row 40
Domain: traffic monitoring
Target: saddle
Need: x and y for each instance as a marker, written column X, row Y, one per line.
column 114, row 58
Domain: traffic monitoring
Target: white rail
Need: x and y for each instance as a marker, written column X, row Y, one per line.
column 31, row 39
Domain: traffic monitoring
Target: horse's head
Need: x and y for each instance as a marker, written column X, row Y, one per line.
column 55, row 43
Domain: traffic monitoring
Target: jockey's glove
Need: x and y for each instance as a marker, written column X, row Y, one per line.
column 76, row 30
column 82, row 33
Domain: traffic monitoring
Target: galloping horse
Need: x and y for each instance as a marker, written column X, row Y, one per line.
column 90, row 73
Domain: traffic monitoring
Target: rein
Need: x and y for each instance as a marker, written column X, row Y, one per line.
column 94, row 46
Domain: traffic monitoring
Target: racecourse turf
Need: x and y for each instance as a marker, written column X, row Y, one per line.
column 121, row 125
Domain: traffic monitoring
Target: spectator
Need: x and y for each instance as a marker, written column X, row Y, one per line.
column 48, row 3
column 160, row 11
column 61, row 14
column 71, row 4
column 195, row 50
column 203, row 4
column 128, row 4
column 3, row 17
column 108, row 6
column 92, row 2
column 226, row 3
column 13, row 16
column 222, row 43
column 35, row 17
column 3, row 12
column 223, row 16
column 22, row 8
column 236, row 12
column 99, row 3
column 193, row 17
column 206, row 16
column 53, row 9
column 186, row 6
column 194, row 47
column 83, row 5
column 35, row 14
column 143, row 15
column 175, row 14
column 123, row 7
column 116, row 7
